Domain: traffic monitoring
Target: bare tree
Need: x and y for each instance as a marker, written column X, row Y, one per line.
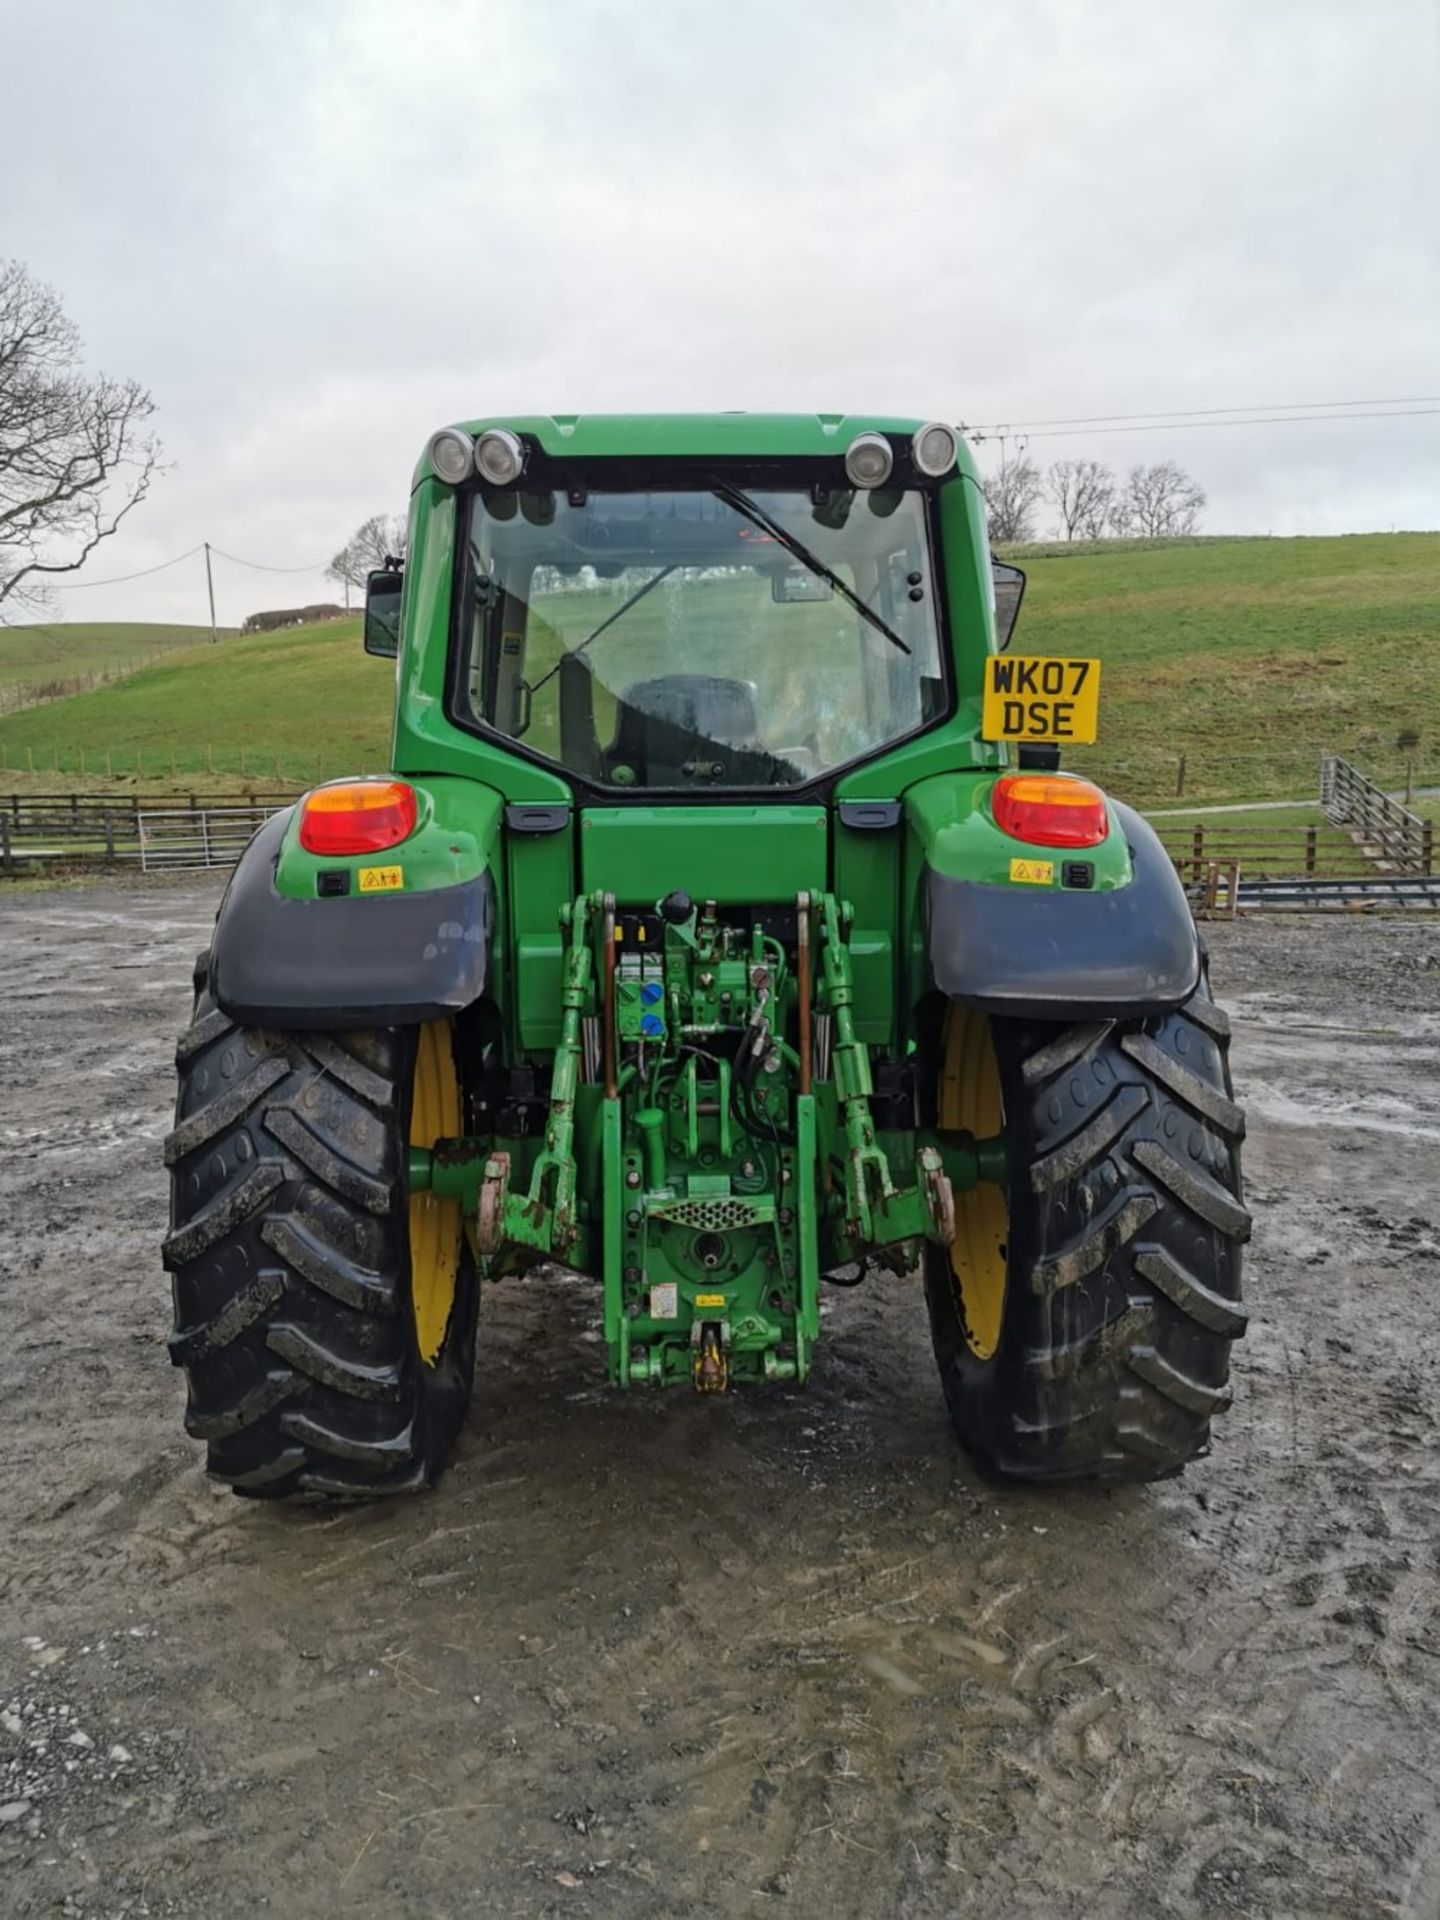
column 1095, row 520
column 74, row 455
column 1011, row 497
column 374, row 541
column 1162, row 499
column 1082, row 492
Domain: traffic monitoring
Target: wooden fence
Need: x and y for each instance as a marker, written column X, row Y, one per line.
column 88, row 829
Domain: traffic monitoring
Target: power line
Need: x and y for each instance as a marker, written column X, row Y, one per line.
column 1200, row 413
column 259, row 566
column 1183, row 423
column 1267, row 420
column 81, row 586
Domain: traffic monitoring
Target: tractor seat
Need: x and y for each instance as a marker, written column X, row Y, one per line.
column 663, row 726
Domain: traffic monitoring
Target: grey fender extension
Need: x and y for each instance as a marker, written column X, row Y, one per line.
column 386, row 960
column 1065, row 954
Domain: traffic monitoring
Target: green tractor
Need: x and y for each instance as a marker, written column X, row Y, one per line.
column 724, row 928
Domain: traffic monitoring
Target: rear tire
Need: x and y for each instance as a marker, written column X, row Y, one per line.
column 1122, row 1269
column 290, row 1249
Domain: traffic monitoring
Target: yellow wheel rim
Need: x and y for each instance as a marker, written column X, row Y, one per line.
column 970, row 1101
column 436, row 1226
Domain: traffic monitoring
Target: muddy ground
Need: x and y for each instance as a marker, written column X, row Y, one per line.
column 778, row 1653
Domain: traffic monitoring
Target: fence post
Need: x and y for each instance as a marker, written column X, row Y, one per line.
column 5, row 859
column 1198, row 854
column 1427, row 847
column 205, row 834
column 1312, row 835
column 109, row 836
column 1180, row 778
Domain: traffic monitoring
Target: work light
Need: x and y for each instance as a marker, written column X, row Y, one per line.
column 452, row 455
column 868, row 460
column 499, row 456
column 934, row 448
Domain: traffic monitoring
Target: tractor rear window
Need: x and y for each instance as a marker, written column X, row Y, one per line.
column 700, row 639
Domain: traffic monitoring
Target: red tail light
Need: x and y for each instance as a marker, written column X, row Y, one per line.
column 1050, row 810
column 358, row 816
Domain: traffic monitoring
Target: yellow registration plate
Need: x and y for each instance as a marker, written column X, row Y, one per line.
column 1028, row 697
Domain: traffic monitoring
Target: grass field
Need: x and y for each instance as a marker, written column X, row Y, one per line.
column 1249, row 657
column 269, row 705
column 36, row 656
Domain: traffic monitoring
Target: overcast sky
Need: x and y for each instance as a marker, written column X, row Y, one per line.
column 317, row 229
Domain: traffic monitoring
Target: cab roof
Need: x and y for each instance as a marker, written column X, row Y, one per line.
column 668, row 436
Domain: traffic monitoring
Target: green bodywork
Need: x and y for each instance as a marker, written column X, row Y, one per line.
column 710, row 1191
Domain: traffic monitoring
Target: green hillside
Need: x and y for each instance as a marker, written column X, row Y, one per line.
column 1250, row 657
column 39, row 655
column 261, row 704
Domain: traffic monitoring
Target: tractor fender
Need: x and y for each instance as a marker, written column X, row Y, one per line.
column 1065, row 954
column 360, row 961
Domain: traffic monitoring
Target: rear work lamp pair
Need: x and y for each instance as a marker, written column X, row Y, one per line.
column 498, row 456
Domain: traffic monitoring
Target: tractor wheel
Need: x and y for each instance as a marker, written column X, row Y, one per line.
column 324, row 1316
column 1082, row 1318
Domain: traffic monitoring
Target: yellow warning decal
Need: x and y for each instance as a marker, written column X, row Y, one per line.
column 381, row 879
column 710, row 1300
column 1032, row 873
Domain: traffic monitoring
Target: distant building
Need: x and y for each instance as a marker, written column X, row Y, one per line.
column 279, row 617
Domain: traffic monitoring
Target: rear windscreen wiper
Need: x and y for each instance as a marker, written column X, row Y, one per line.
column 757, row 516
column 618, row 614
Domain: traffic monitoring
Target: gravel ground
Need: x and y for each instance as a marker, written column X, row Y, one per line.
column 782, row 1652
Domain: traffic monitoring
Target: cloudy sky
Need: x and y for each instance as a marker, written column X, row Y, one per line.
column 316, row 229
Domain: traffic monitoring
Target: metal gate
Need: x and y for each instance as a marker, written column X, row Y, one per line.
column 181, row 838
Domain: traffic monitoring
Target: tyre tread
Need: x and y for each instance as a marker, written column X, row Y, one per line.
column 288, row 1246
column 333, row 1168
column 1125, row 1260
column 1186, row 1085
column 1090, row 1141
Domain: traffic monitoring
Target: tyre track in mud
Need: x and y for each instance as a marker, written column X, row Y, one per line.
column 663, row 1656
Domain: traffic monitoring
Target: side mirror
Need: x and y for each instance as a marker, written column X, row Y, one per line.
column 382, row 612
column 1007, row 590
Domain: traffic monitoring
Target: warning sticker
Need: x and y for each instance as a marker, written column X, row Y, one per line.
column 381, row 879
column 1028, row 697
column 1032, row 873
column 709, row 1300
column 665, row 1302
